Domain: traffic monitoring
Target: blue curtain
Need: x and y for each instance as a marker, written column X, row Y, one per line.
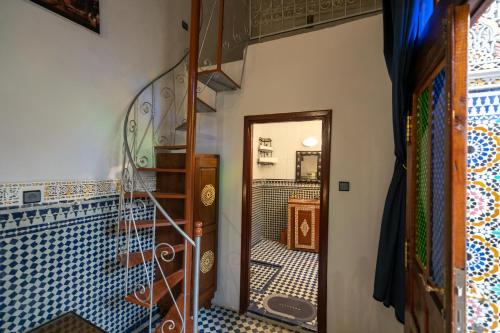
column 404, row 21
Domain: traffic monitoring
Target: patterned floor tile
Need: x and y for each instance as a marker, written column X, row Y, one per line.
column 262, row 275
column 220, row 320
column 298, row 276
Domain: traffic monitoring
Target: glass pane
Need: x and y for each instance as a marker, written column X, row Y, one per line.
column 438, row 178
column 423, row 172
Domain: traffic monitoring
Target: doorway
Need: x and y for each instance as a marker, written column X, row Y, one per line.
column 284, row 242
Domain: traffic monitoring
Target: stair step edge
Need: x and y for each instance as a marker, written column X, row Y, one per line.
column 161, row 170
column 160, row 195
column 171, row 147
column 160, row 289
column 135, row 258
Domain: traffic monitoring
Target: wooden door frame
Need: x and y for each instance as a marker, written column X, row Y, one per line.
column 428, row 53
column 326, row 117
column 432, row 55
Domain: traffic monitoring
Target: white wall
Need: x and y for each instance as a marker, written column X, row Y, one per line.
column 287, row 140
column 64, row 90
column 339, row 68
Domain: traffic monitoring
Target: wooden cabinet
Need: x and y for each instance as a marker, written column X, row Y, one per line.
column 205, row 210
column 303, row 224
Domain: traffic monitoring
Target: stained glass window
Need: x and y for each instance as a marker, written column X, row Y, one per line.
column 422, row 179
column 438, row 179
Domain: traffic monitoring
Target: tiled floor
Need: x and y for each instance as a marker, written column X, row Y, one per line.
column 219, row 320
column 277, row 270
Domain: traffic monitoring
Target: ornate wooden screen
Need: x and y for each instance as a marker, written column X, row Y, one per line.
column 435, row 235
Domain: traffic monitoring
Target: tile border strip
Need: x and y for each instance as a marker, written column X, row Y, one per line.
column 66, row 190
column 57, row 191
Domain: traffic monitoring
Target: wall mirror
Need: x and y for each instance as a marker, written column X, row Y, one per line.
column 308, row 166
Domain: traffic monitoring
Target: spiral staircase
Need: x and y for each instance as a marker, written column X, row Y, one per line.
column 158, row 243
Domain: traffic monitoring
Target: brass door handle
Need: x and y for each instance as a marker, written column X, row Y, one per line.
column 429, row 288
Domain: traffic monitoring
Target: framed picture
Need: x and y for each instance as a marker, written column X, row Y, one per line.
column 83, row 12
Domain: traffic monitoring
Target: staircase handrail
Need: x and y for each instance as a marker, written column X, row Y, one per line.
column 132, row 161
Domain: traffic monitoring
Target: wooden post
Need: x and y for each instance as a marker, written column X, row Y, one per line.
column 198, row 229
column 190, row 146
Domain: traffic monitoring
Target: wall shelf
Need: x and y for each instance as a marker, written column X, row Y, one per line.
column 266, row 152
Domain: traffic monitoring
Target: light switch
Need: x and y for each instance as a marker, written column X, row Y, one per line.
column 30, row 197
column 344, row 186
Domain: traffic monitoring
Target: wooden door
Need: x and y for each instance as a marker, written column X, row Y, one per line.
column 205, row 210
column 436, row 208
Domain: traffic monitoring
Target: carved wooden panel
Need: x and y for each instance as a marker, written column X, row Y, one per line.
column 205, row 210
column 303, row 225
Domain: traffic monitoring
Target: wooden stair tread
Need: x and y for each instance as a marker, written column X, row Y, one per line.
column 160, row 289
column 161, row 170
column 173, row 315
column 135, row 258
column 144, row 224
column 158, row 195
column 172, row 147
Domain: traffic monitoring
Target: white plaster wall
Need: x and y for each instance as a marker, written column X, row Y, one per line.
column 339, row 68
column 287, row 140
column 64, row 90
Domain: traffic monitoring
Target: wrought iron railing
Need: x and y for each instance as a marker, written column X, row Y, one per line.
column 271, row 17
column 152, row 120
column 158, row 118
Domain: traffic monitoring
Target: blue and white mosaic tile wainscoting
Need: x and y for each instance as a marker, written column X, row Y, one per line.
column 60, row 256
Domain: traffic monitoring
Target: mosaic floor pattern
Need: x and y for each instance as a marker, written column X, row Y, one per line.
column 297, row 276
column 220, row 320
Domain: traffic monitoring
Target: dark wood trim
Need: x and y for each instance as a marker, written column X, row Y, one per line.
column 246, row 216
column 324, row 211
column 477, row 8
column 429, row 50
column 410, row 260
column 455, row 213
column 290, row 116
column 428, row 81
column 326, row 117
